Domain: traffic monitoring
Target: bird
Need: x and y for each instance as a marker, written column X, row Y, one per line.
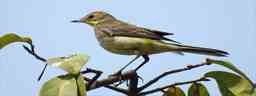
column 119, row 37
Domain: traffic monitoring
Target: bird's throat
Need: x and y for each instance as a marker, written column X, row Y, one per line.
column 93, row 23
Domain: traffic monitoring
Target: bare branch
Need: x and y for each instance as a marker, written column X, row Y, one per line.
column 133, row 86
column 171, row 72
column 133, row 77
column 112, row 79
column 172, row 85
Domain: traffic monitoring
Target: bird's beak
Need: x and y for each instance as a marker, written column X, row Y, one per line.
column 76, row 21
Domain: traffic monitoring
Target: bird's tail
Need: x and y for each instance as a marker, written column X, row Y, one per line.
column 200, row 50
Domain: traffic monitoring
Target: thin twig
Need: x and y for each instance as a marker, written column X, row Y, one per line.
column 171, row 72
column 42, row 72
column 172, row 85
column 33, row 53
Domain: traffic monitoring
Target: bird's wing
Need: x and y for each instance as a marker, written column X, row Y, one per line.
column 161, row 33
column 132, row 31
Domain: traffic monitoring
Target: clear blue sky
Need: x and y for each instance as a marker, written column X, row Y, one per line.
column 223, row 24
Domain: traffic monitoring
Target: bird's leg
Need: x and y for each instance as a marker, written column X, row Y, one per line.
column 146, row 59
column 120, row 71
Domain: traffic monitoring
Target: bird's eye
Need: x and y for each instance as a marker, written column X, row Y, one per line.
column 91, row 17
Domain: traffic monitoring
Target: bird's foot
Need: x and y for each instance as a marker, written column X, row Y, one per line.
column 126, row 81
column 119, row 75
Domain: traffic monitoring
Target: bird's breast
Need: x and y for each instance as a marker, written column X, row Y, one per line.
column 119, row 45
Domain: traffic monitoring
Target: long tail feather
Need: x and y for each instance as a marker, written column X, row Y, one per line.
column 200, row 50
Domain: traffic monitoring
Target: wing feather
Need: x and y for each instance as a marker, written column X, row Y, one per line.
column 133, row 31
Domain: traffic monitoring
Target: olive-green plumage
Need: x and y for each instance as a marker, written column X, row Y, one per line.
column 122, row 38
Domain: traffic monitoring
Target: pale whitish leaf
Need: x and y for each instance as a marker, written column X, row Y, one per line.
column 72, row 64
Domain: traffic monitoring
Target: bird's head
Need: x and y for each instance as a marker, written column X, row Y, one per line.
column 95, row 18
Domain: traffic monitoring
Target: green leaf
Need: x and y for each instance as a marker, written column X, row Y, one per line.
column 230, row 66
column 72, row 64
column 81, row 85
column 174, row 91
column 65, row 85
column 197, row 89
column 231, row 84
column 12, row 38
column 254, row 92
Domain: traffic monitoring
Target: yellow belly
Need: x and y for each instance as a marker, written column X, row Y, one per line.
column 133, row 46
